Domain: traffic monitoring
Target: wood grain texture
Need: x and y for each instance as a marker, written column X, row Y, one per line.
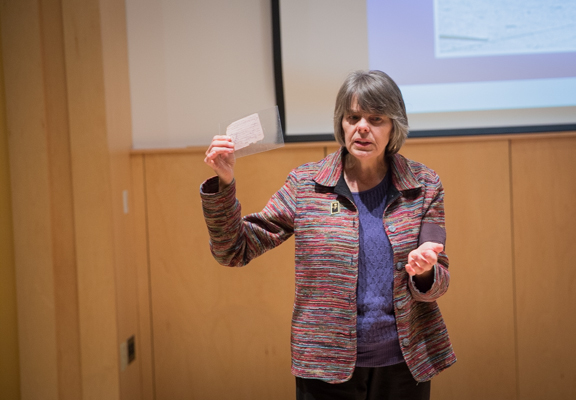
column 31, row 198
column 144, row 351
column 479, row 306
column 544, row 198
column 61, row 203
column 218, row 332
column 119, row 141
column 9, row 363
column 99, row 121
column 92, row 200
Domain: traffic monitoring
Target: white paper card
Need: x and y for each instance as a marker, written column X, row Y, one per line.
column 256, row 133
column 245, row 131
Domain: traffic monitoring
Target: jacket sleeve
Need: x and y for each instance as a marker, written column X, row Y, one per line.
column 235, row 241
column 433, row 229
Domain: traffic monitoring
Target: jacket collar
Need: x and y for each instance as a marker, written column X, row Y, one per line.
column 403, row 177
column 332, row 167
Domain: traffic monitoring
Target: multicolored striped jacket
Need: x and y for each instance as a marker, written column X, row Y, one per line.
column 316, row 206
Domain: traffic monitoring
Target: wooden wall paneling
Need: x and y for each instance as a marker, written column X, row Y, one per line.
column 9, row 364
column 92, row 200
column 68, row 119
column 218, row 332
column 119, row 138
column 99, row 107
column 29, row 166
column 544, row 195
column 60, row 176
column 479, row 306
column 140, row 239
column 331, row 149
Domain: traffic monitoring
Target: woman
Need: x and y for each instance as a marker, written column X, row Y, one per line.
column 369, row 233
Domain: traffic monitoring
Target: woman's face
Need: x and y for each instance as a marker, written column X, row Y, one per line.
column 366, row 135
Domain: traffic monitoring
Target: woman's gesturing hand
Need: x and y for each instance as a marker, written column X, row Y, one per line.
column 421, row 260
column 220, row 157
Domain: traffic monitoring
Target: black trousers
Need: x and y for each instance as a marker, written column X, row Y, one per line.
column 394, row 382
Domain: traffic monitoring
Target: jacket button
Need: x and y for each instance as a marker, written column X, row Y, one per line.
column 392, row 228
column 399, row 266
column 405, row 342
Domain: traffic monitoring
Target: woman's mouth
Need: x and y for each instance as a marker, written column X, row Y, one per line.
column 362, row 143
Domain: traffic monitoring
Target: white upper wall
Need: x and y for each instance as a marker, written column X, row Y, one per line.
column 194, row 64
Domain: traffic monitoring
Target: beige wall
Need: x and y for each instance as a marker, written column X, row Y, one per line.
column 9, row 367
column 224, row 333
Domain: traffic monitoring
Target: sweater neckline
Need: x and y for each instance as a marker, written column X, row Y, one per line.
column 382, row 185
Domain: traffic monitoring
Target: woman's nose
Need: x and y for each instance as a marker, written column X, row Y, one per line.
column 363, row 125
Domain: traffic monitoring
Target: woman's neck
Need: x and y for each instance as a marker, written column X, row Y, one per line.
column 363, row 175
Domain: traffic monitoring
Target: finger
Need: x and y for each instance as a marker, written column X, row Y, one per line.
column 420, row 260
column 222, row 143
column 428, row 256
column 415, row 265
column 437, row 248
column 221, row 137
column 431, row 256
column 209, row 162
column 213, row 153
column 418, row 271
column 225, row 146
column 413, row 254
column 410, row 270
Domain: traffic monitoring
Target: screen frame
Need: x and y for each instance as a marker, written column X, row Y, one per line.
column 303, row 138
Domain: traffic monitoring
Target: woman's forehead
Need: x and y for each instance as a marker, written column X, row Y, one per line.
column 362, row 106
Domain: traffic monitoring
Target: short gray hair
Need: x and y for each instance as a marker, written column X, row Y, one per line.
column 375, row 93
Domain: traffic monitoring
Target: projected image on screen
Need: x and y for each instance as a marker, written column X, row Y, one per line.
column 472, row 66
column 490, row 27
column 455, row 56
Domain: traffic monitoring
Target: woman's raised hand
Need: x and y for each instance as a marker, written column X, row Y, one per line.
column 220, row 157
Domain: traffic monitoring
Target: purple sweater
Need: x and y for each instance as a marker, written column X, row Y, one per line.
column 378, row 344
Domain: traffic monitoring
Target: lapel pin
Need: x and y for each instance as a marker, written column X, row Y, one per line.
column 334, row 207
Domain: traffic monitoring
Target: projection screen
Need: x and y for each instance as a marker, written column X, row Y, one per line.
column 464, row 67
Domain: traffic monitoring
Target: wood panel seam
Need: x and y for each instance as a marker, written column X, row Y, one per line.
column 513, row 255
column 149, row 271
